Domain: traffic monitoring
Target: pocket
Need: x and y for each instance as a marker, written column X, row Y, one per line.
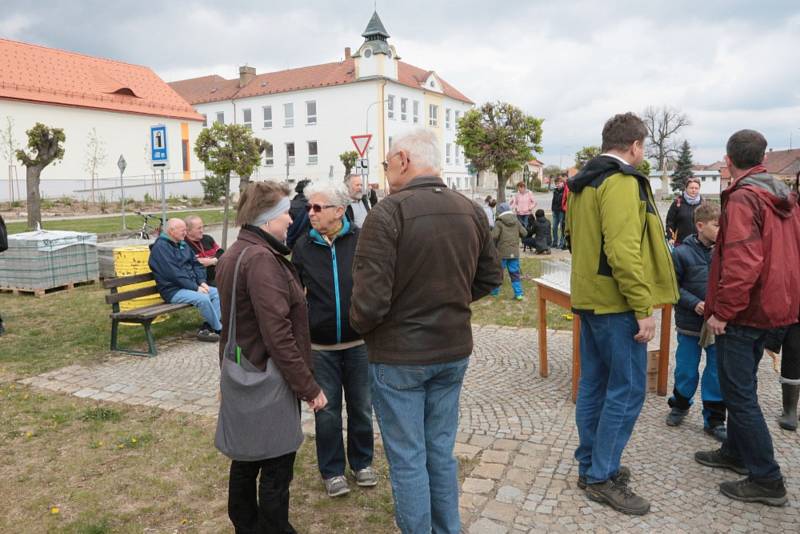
column 401, row 377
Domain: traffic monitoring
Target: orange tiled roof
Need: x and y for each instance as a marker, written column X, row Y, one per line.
column 47, row 75
column 216, row 88
column 783, row 161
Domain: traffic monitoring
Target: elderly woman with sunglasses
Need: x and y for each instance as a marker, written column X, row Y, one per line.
column 323, row 257
column 271, row 323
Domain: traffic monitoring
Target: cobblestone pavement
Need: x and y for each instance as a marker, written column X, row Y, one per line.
column 518, row 432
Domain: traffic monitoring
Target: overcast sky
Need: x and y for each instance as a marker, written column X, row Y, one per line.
column 728, row 64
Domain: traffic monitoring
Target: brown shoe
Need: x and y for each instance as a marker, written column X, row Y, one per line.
column 618, row 496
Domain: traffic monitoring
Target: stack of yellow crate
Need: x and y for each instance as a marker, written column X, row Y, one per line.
column 133, row 260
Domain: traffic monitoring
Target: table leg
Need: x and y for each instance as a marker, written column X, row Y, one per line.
column 576, row 354
column 663, row 350
column 543, row 370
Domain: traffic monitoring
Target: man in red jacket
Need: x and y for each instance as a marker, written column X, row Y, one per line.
column 752, row 287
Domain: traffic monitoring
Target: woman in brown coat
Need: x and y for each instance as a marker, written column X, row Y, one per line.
column 271, row 322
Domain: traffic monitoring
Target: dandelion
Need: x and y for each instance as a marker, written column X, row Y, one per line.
column 54, row 510
column 133, row 440
column 28, row 434
column 184, row 521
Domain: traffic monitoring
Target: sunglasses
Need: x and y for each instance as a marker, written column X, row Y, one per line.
column 316, row 208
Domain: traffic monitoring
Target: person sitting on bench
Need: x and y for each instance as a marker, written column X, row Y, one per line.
column 181, row 279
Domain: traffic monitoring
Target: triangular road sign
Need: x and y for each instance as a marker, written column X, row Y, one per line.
column 361, row 142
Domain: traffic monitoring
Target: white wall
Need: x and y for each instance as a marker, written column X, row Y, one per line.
column 120, row 133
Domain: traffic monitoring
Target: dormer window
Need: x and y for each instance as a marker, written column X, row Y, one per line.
column 432, row 84
column 127, row 91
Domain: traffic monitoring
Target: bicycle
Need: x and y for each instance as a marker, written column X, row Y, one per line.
column 147, row 229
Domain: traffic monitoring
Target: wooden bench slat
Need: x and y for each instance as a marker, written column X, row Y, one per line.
column 149, row 312
column 110, row 283
column 114, row 298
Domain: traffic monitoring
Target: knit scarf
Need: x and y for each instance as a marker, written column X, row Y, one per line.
column 691, row 201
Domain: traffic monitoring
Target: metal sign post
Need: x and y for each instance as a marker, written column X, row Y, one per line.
column 361, row 142
column 122, row 164
column 159, row 159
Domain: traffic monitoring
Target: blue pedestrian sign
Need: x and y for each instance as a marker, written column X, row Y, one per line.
column 158, row 147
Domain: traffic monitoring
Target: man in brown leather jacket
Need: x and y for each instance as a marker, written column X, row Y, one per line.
column 424, row 255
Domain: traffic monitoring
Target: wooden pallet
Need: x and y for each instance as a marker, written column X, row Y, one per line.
column 43, row 292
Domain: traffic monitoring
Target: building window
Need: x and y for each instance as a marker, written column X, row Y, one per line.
column 220, row 117
column 205, row 120
column 267, row 116
column 311, row 112
column 416, row 112
column 447, row 118
column 458, row 116
column 447, row 153
column 247, row 118
column 390, row 142
column 312, row 152
column 458, row 155
column 390, row 106
column 269, row 156
column 290, row 153
column 433, row 115
column 288, row 116
column 403, row 109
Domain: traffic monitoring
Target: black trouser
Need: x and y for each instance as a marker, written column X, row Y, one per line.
column 790, row 354
column 265, row 511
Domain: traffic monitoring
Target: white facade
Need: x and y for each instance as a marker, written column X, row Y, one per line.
column 118, row 133
column 372, row 106
column 710, row 183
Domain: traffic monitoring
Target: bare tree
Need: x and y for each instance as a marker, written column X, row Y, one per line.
column 662, row 125
column 8, row 147
column 95, row 156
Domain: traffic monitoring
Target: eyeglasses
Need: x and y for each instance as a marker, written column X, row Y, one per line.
column 316, row 208
column 386, row 163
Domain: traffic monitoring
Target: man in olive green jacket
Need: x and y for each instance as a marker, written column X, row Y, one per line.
column 621, row 269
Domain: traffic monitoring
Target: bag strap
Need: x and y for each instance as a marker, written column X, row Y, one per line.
column 232, row 317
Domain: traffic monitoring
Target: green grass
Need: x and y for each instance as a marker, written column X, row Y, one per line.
column 113, row 223
column 505, row 311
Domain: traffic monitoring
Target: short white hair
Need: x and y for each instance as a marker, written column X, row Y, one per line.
column 336, row 194
column 422, row 146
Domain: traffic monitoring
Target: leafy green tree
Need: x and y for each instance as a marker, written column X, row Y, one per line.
column 586, row 153
column 213, row 188
column 227, row 149
column 500, row 137
column 683, row 168
column 644, row 167
column 348, row 159
column 45, row 145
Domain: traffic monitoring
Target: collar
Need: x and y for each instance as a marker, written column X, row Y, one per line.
column 168, row 239
column 424, row 180
column 320, row 239
column 615, row 157
column 266, row 237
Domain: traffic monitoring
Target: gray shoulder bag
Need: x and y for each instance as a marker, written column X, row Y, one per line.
column 259, row 414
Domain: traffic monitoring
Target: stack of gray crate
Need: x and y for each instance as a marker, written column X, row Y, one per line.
column 48, row 259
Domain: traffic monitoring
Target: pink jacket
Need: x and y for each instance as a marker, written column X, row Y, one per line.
column 523, row 203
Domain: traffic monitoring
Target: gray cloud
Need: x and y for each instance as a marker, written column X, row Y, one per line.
column 728, row 64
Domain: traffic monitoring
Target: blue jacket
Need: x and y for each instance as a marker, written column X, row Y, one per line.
column 692, row 261
column 326, row 271
column 175, row 267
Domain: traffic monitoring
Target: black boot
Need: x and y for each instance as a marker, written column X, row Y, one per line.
column 788, row 421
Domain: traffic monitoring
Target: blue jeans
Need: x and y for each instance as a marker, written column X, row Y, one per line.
column 335, row 370
column 739, row 352
column 512, row 265
column 558, row 226
column 523, row 220
column 208, row 304
column 417, row 410
column 687, row 376
column 610, row 393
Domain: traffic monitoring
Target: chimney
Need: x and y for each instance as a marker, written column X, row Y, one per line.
column 246, row 75
column 347, row 54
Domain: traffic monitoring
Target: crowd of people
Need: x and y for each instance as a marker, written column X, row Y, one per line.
column 348, row 301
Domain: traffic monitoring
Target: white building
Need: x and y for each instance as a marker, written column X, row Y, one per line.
column 308, row 114
column 98, row 103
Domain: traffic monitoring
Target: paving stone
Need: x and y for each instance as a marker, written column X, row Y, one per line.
column 499, row 511
column 484, row 442
column 487, row 526
column 485, row 470
column 509, row 494
column 505, row 444
column 462, row 450
column 86, row 392
column 471, row 501
column 477, row 485
column 497, row 457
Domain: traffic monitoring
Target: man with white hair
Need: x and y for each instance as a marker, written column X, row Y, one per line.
column 323, row 257
column 425, row 253
column 359, row 205
column 180, row 278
